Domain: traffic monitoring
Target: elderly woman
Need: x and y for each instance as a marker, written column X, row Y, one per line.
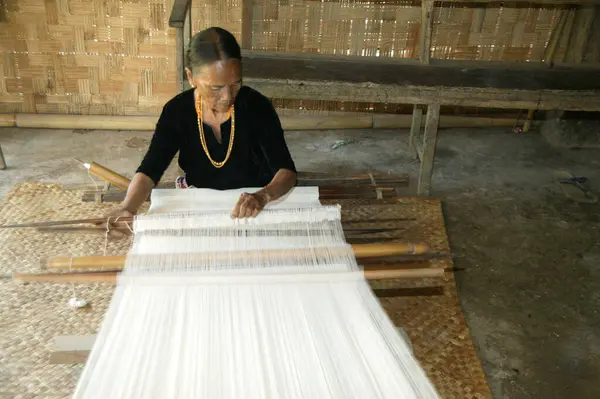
column 228, row 135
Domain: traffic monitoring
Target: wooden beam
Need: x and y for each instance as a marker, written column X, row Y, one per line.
column 580, row 35
column 178, row 13
column 247, row 18
column 429, row 144
column 415, row 130
column 513, row 98
column 426, row 28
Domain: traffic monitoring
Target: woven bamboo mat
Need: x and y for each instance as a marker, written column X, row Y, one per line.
column 32, row 314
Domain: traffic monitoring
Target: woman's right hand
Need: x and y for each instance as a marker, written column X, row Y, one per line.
column 117, row 229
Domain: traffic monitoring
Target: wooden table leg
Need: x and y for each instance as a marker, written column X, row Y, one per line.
column 429, row 143
column 2, row 161
column 415, row 130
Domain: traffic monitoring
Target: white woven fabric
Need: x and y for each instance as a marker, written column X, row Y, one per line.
column 276, row 307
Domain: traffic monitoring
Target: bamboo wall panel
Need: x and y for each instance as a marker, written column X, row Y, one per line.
column 86, row 56
column 389, row 28
column 117, row 57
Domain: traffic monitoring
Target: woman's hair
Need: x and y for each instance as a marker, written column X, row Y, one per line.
column 211, row 45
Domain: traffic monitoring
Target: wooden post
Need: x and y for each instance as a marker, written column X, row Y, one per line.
column 247, row 17
column 426, row 25
column 429, row 144
column 177, row 20
column 2, row 161
column 187, row 36
column 179, row 62
column 415, row 130
column 580, row 35
column 527, row 123
column 555, row 37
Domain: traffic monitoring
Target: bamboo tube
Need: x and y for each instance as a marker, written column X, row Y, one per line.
column 96, row 122
column 360, row 251
column 111, row 276
column 86, row 262
column 106, row 174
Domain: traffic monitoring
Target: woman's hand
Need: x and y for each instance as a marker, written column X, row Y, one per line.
column 117, row 230
column 250, row 205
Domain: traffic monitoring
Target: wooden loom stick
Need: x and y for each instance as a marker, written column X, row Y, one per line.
column 110, row 277
column 361, row 251
column 306, row 179
column 50, row 223
column 106, row 174
column 273, row 232
column 325, row 192
column 128, row 219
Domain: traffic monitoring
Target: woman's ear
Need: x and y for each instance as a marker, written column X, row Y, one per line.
column 190, row 76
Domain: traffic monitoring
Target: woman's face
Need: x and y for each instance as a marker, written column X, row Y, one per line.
column 218, row 83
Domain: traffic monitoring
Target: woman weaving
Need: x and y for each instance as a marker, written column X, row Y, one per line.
column 228, row 135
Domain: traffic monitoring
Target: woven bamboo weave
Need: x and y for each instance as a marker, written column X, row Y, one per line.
column 32, row 314
column 117, row 57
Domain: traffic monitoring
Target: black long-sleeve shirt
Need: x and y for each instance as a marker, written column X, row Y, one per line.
column 259, row 148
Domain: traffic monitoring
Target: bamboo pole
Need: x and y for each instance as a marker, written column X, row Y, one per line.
column 110, row 277
column 290, row 120
column 7, row 120
column 361, row 251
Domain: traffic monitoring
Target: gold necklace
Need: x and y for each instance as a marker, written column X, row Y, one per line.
column 203, row 140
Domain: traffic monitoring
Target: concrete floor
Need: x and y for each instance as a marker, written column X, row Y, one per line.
column 529, row 258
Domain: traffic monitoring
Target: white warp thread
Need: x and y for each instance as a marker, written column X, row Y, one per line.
column 291, row 318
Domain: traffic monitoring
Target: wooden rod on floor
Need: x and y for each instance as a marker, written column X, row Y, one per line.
column 361, row 251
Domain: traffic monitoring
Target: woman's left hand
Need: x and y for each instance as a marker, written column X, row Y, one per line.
column 250, row 205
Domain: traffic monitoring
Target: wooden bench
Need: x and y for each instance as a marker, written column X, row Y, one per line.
column 424, row 82
column 492, row 85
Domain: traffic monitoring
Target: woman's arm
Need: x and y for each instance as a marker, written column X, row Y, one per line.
column 277, row 159
column 138, row 191
column 162, row 149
